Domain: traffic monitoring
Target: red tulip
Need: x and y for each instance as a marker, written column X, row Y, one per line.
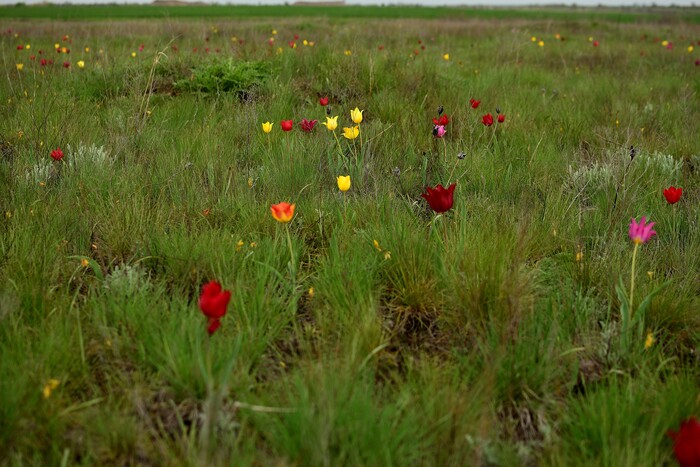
column 439, row 198
column 474, row 103
column 673, row 194
column 686, row 443
column 20, row 47
column 307, row 125
column 595, row 43
column 287, row 125
column 323, row 101
column 66, row 64
column 213, row 303
column 442, row 121
column 501, row 118
column 57, row 154
column 487, row 119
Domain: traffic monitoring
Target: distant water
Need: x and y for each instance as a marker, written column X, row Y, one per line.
column 500, row 3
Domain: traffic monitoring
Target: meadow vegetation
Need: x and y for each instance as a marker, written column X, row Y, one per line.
column 369, row 330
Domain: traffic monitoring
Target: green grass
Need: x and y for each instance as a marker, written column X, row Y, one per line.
column 490, row 335
column 72, row 12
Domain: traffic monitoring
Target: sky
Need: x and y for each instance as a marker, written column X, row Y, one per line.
column 411, row 2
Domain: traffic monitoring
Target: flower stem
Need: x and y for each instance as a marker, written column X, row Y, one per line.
column 444, row 146
column 292, row 264
column 634, row 261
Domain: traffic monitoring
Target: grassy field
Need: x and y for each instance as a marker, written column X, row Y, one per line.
column 522, row 326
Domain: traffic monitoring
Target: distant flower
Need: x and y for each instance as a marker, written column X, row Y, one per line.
column 352, row 132
column 439, row 131
column 57, row 154
column 343, row 183
column 213, row 303
column 641, row 232
column 440, row 199
column 376, row 245
column 323, row 101
column 446, row 57
column 133, row 54
column 649, row 340
column 66, row 64
column 686, row 443
column 287, row 125
column 356, row 115
column 487, row 119
column 690, row 49
column 443, row 120
column 501, row 118
column 308, row 125
column 282, row 212
column 43, row 62
column 697, row 62
column 474, row 103
column 20, row 47
column 81, row 64
column 331, row 123
column 20, row 66
column 267, row 127
column 673, row 194
column 541, row 43
column 49, row 387
column 595, row 43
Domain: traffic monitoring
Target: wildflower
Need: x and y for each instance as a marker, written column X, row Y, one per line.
column 443, row 120
column 686, row 443
column 282, row 212
column 501, row 118
column 87, row 50
column 323, row 101
column 351, row 133
column 308, row 125
column 579, row 256
column 595, row 43
column 49, row 387
column 533, row 39
column 250, row 182
column 439, row 131
column 474, row 103
column 66, row 64
column 267, row 127
column 81, row 64
column 649, row 340
column 20, row 47
column 439, row 198
column 446, row 56
column 541, row 43
column 20, row 66
column 343, row 183
column 213, row 303
column 690, row 49
column 84, row 262
column 311, row 292
column 331, row 123
column 376, row 245
column 133, row 54
column 57, row 154
column 287, row 125
column 348, row 53
column 387, row 255
column 673, row 194
column 487, row 119
column 239, row 245
column 641, row 232
column 356, row 115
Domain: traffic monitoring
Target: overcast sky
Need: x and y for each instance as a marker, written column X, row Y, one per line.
column 410, row 2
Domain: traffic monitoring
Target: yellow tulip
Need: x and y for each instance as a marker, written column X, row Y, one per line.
column 331, row 123
column 81, row 64
column 20, row 66
column 356, row 115
column 446, row 56
column 344, row 183
column 267, row 127
column 351, row 133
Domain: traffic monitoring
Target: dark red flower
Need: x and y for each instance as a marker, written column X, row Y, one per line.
column 673, row 194
column 442, row 121
column 686, row 443
column 697, row 62
column 287, row 125
column 439, row 198
column 57, row 154
column 66, row 64
column 323, row 101
column 307, row 125
column 595, row 43
column 474, row 103
column 501, row 118
column 20, row 47
column 213, row 303
column 487, row 119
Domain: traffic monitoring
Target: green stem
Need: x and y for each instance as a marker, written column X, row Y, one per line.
column 444, row 146
column 634, row 262
column 292, row 264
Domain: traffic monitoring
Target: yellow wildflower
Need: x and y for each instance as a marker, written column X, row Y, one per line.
column 351, row 133
column 649, row 340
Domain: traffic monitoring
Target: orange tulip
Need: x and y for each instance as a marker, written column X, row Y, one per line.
column 283, row 212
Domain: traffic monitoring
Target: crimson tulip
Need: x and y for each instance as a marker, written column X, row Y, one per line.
column 213, row 303
column 440, row 199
